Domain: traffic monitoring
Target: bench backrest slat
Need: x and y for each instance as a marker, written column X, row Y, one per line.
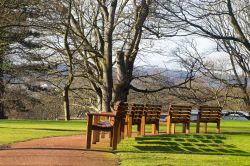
column 180, row 113
column 136, row 111
column 152, row 112
column 209, row 113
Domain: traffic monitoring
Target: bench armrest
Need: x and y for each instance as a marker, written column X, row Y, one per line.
column 107, row 114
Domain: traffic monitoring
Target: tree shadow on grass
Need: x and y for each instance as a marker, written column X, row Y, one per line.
column 186, row 144
column 238, row 133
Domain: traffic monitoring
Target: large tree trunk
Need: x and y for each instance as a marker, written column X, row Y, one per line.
column 107, row 78
column 107, row 84
column 107, row 59
column 2, row 113
column 120, row 93
column 66, row 103
column 121, row 88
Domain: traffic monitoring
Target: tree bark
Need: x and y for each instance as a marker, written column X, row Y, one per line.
column 99, row 102
column 121, row 88
column 107, row 76
column 2, row 88
column 70, row 68
column 66, row 103
column 107, row 57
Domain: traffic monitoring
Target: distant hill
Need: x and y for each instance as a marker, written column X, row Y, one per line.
column 168, row 73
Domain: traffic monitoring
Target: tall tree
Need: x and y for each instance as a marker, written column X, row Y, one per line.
column 106, row 35
column 13, row 32
column 225, row 21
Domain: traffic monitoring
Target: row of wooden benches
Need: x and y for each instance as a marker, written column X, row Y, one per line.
column 119, row 122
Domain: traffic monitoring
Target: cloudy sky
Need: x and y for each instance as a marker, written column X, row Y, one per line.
column 159, row 52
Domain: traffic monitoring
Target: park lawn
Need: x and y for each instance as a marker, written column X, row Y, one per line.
column 20, row 130
column 230, row 148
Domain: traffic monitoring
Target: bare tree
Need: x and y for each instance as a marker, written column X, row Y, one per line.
column 106, row 35
column 226, row 22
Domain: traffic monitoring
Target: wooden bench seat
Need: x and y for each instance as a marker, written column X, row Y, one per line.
column 208, row 114
column 113, row 125
column 142, row 114
column 178, row 114
column 152, row 116
column 135, row 117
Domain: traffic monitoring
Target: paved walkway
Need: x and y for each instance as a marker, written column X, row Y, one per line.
column 55, row 151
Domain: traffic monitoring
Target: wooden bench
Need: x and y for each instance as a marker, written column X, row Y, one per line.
column 124, row 122
column 151, row 116
column 179, row 114
column 208, row 114
column 135, row 118
column 113, row 125
column 141, row 115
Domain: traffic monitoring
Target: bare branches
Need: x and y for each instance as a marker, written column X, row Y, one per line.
column 222, row 21
column 177, row 86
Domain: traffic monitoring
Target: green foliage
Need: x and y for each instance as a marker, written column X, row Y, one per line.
column 232, row 147
column 20, row 130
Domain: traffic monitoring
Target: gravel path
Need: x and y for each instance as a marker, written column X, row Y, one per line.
column 56, row 151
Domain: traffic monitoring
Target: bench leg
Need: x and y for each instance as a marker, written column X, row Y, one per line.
column 153, row 129
column 125, row 131
column 218, row 127
column 157, row 128
column 122, row 128
column 96, row 134
column 96, row 137
column 205, row 127
column 173, row 128
column 119, row 133
column 168, row 126
column 115, row 137
column 130, row 127
column 89, row 132
column 184, row 127
column 198, row 127
column 143, row 125
column 111, row 137
column 138, row 129
column 187, row 128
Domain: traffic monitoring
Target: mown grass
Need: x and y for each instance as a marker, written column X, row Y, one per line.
column 230, row 148
column 20, row 130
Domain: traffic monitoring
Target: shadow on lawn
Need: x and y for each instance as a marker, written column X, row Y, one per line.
column 237, row 133
column 190, row 144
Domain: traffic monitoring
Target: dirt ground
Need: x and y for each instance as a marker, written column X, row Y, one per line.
column 57, row 151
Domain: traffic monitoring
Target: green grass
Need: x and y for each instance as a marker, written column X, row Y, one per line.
column 20, row 130
column 230, row 148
